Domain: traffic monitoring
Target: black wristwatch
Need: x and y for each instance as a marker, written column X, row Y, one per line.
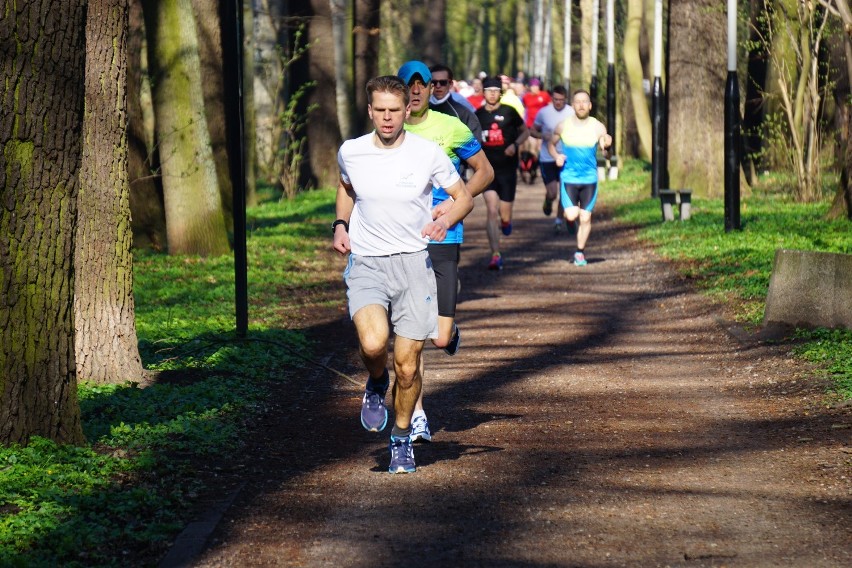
column 339, row 222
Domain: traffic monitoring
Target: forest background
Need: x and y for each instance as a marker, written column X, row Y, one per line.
column 115, row 136
column 116, row 132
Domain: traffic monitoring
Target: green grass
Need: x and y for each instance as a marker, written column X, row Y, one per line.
column 121, row 499
column 734, row 268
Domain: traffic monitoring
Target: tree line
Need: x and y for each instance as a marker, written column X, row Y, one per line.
column 113, row 133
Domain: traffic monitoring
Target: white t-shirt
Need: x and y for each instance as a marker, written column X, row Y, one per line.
column 393, row 192
column 547, row 120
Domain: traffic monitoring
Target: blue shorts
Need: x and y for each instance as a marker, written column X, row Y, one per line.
column 403, row 284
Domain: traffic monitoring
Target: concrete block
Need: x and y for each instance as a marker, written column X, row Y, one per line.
column 685, row 196
column 668, row 200
column 810, row 289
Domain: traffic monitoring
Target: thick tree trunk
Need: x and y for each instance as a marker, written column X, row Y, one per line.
column 341, row 82
column 323, row 131
column 42, row 55
column 208, row 24
column 696, row 87
column 249, row 113
column 147, row 211
column 106, row 344
column 195, row 221
column 635, row 75
column 436, row 33
column 366, row 56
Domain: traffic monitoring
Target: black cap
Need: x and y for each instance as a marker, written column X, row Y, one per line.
column 491, row 83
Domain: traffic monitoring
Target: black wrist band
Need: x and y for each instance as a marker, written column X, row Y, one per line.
column 339, row 222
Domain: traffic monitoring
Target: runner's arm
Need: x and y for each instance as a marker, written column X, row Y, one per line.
column 344, row 205
column 462, row 204
column 559, row 157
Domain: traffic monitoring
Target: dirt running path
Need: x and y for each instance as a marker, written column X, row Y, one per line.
column 594, row 417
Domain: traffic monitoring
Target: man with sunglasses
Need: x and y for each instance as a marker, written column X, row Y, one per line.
column 445, row 100
column 460, row 145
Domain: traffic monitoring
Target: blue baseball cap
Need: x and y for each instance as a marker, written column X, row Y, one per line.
column 411, row 68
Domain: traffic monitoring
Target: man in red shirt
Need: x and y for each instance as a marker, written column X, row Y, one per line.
column 534, row 100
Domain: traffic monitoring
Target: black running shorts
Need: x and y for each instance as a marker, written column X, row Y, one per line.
column 445, row 263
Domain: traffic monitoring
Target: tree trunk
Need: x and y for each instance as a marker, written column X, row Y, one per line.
column 341, row 82
column 106, row 344
column 195, row 221
column 436, row 33
column 635, row 74
column 249, row 114
column 696, row 85
column 147, row 211
column 365, row 56
column 208, row 23
column 323, row 131
column 42, row 55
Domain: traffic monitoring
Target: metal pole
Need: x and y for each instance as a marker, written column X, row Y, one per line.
column 593, row 84
column 232, row 55
column 658, row 158
column 732, row 128
column 566, row 40
column 610, row 86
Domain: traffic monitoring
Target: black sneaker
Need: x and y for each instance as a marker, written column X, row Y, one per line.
column 455, row 342
column 547, row 207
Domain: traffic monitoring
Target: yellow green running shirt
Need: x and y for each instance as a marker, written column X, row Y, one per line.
column 580, row 145
column 458, row 142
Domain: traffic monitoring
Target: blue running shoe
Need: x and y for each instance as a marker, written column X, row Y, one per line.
column 579, row 259
column 374, row 413
column 402, row 455
column 506, row 228
column 420, row 429
column 496, row 262
column 455, row 342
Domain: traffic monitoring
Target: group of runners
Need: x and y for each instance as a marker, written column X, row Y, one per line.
column 400, row 205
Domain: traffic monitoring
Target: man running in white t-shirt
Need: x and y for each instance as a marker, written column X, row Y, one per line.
column 384, row 220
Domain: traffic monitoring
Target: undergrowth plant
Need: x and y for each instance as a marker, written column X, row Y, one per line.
column 121, row 500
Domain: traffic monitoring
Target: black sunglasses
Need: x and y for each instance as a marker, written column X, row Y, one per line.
column 441, row 82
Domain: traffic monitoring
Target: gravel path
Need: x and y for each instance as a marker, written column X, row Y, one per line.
column 596, row 416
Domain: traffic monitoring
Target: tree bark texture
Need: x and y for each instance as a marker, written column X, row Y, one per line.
column 436, row 33
column 635, row 75
column 105, row 320
column 147, row 211
column 340, row 35
column 365, row 56
column 323, row 131
column 208, row 23
column 42, row 53
column 195, row 221
column 696, row 87
column 249, row 113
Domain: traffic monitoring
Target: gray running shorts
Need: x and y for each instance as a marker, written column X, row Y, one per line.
column 403, row 283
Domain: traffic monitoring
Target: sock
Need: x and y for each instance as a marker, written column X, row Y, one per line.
column 379, row 385
column 418, row 413
column 580, row 251
column 397, row 432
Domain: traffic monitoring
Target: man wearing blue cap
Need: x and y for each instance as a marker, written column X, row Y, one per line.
column 460, row 145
